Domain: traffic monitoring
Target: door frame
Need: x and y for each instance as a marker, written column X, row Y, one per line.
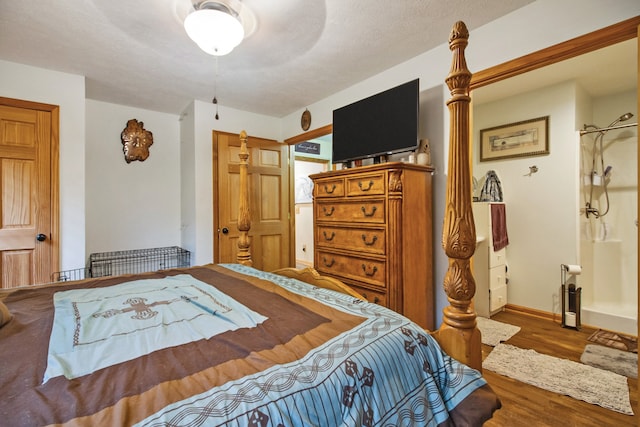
column 54, row 180
column 291, row 142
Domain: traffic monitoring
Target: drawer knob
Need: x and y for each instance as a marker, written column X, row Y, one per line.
column 372, row 242
column 328, row 212
column 328, row 264
column 362, row 187
column 326, row 189
column 371, row 271
column 375, row 299
column 328, row 238
column 372, row 213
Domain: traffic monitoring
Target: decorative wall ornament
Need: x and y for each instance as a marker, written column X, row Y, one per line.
column 136, row 141
column 305, row 120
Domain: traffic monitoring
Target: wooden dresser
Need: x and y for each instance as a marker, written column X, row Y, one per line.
column 373, row 231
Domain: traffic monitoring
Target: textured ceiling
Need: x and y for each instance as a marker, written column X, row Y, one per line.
column 136, row 53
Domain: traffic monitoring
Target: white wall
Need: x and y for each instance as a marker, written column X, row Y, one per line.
column 542, row 208
column 197, row 123
column 432, row 127
column 188, row 232
column 67, row 91
column 131, row 205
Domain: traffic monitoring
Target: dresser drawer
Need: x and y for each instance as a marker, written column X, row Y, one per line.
column 498, row 298
column 362, row 269
column 329, row 188
column 497, row 277
column 366, row 211
column 367, row 185
column 376, row 297
column 497, row 258
column 370, row 240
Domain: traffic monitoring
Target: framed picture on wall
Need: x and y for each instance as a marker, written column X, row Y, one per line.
column 521, row 139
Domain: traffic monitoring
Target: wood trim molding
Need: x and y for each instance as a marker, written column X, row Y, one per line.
column 316, row 133
column 595, row 40
column 553, row 317
column 532, row 312
column 20, row 103
column 55, row 186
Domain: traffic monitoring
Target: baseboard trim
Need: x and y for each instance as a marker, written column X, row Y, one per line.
column 555, row 318
column 533, row 312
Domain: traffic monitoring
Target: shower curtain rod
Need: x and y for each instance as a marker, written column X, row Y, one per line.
column 584, row 132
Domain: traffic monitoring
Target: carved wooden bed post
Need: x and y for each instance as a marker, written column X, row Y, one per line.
column 458, row 334
column 244, row 217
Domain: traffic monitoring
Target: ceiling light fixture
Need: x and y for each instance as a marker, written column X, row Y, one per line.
column 215, row 27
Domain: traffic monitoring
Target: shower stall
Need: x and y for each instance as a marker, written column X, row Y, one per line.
column 608, row 238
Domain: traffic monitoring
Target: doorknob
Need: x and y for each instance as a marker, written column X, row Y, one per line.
column 41, row 237
column 225, row 230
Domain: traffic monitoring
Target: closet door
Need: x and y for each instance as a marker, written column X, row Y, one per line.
column 268, row 204
column 27, row 232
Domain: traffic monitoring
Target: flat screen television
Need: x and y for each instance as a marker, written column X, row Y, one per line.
column 384, row 123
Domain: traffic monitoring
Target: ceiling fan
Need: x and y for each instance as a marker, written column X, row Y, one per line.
column 218, row 26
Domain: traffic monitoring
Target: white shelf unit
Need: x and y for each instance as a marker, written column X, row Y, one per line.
column 489, row 266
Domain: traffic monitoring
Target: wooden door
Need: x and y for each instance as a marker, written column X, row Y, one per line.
column 268, row 201
column 28, row 211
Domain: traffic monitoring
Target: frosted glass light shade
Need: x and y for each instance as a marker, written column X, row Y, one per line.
column 214, row 31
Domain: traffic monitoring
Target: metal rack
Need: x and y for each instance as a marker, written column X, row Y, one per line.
column 68, row 275
column 128, row 262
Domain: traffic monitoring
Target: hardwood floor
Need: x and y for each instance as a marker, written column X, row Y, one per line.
column 525, row 405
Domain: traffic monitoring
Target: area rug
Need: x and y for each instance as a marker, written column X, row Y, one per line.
column 563, row 376
column 611, row 359
column 615, row 340
column 494, row 332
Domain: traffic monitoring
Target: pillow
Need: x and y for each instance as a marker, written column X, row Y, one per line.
column 5, row 314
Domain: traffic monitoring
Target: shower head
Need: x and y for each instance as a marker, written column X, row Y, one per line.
column 622, row 118
column 602, row 131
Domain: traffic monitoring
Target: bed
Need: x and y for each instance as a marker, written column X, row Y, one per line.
column 230, row 345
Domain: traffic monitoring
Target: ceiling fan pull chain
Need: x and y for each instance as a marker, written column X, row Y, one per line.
column 215, row 89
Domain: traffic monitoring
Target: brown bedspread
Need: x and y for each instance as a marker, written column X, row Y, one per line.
column 129, row 392
column 24, row 353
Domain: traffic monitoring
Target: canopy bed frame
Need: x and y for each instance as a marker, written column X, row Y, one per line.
column 227, row 344
column 458, row 335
